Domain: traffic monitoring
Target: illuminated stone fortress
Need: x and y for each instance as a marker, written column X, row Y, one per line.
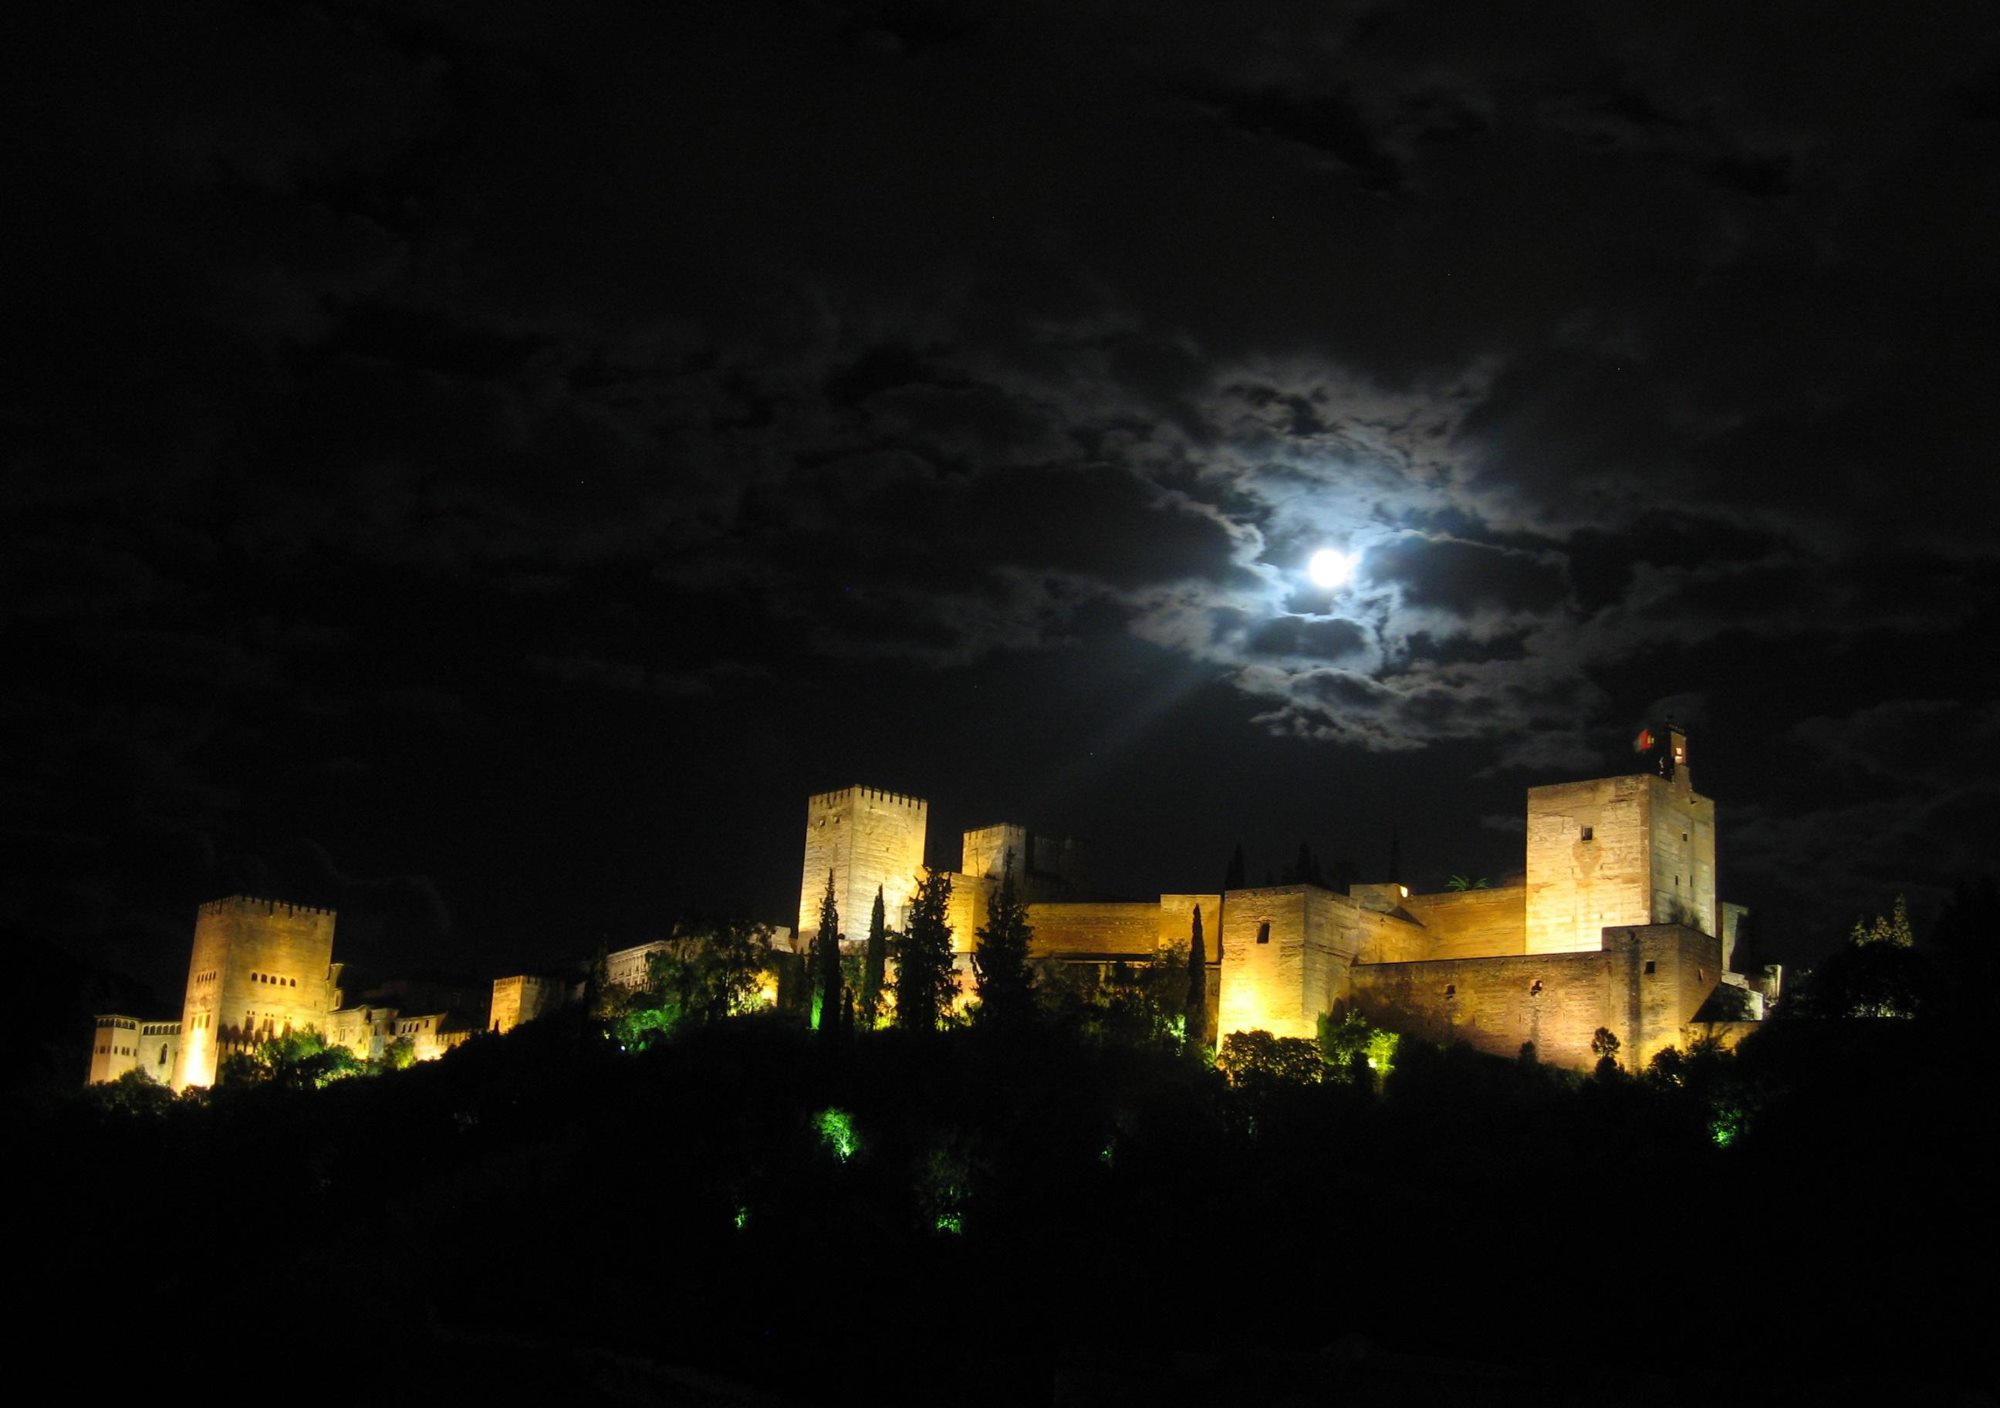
column 260, row 968
column 1615, row 924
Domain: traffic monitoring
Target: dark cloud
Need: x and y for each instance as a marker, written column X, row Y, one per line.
column 404, row 390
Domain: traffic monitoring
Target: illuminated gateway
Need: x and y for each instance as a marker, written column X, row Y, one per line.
column 1614, row 925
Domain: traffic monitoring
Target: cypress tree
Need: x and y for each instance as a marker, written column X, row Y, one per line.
column 1000, row 957
column 1197, row 989
column 924, row 982
column 827, row 947
column 874, row 963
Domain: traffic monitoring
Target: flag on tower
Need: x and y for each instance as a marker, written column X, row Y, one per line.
column 1645, row 742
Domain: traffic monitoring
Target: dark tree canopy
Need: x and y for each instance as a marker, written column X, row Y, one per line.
column 1197, row 988
column 874, row 964
column 925, row 986
column 826, row 950
column 1000, row 957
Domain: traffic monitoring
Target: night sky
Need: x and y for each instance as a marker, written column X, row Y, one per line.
column 483, row 465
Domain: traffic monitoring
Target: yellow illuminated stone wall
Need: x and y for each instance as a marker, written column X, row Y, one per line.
column 259, row 968
column 1104, row 932
column 121, row 1044
column 1643, row 984
column 1618, row 851
column 1488, row 923
column 867, row 838
column 1279, row 960
column 522, row 998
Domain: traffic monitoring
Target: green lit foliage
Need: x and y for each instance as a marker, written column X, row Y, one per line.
column 1709, row 1084
column 295, row 1060
column 710, row 971
column 1000, row 958
column 705, row 973
column 398, row 1055
column 826, row 963
column 1461, row 883
column 837, row 1133
column 643, row 1021
column 1121, row 1004
column 944, row 1187
column 925, row 986
column 1356, row 1052
column 1726, row 1125
column 874, row 966
column 1259, row 1058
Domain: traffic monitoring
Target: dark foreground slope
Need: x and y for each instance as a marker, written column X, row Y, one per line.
column 740, row 1213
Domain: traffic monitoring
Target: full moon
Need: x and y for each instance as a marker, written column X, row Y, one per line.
column 1331, row 568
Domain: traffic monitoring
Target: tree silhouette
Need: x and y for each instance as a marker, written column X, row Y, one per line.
column 874, row 964
column 826, row 950
column 1000, row 956
column 1233, row 879
column 1197, row 988
column 925, row 986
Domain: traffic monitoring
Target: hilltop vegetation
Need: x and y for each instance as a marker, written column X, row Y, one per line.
column 972, row 1212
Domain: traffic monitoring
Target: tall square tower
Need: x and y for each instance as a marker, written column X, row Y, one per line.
column 867, row 838
column 260, row 967
column 1619, row 852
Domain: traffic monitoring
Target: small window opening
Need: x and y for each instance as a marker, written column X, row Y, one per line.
column 1649, row 965
column 1588, row 834
column 1264, row 932
column 1536, row 989
column 1451, row 989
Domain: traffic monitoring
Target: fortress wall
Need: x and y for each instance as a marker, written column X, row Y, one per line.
column 1682, row 857
column 1285, row 952
column 1332, row 939
column 362, row 1030
column 1389, row 938
column 971, row 900
column 258, row 967
column 1487, row 923
column 1044, row 868
column 867, row 838
column 1576, row 887
column 159, row 1043
column 1106, row 931
column 985, row 850
column 1176, row 922
column 631, row 967
column 1490, row 1003
column 115, row 1047
column 523, row 998
column 1686, row 965
column 1732, row 917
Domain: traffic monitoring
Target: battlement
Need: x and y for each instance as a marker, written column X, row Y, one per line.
column 262, row 905
column 870, row 794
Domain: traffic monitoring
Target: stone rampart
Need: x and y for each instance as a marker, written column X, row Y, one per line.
column 1484, row 923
